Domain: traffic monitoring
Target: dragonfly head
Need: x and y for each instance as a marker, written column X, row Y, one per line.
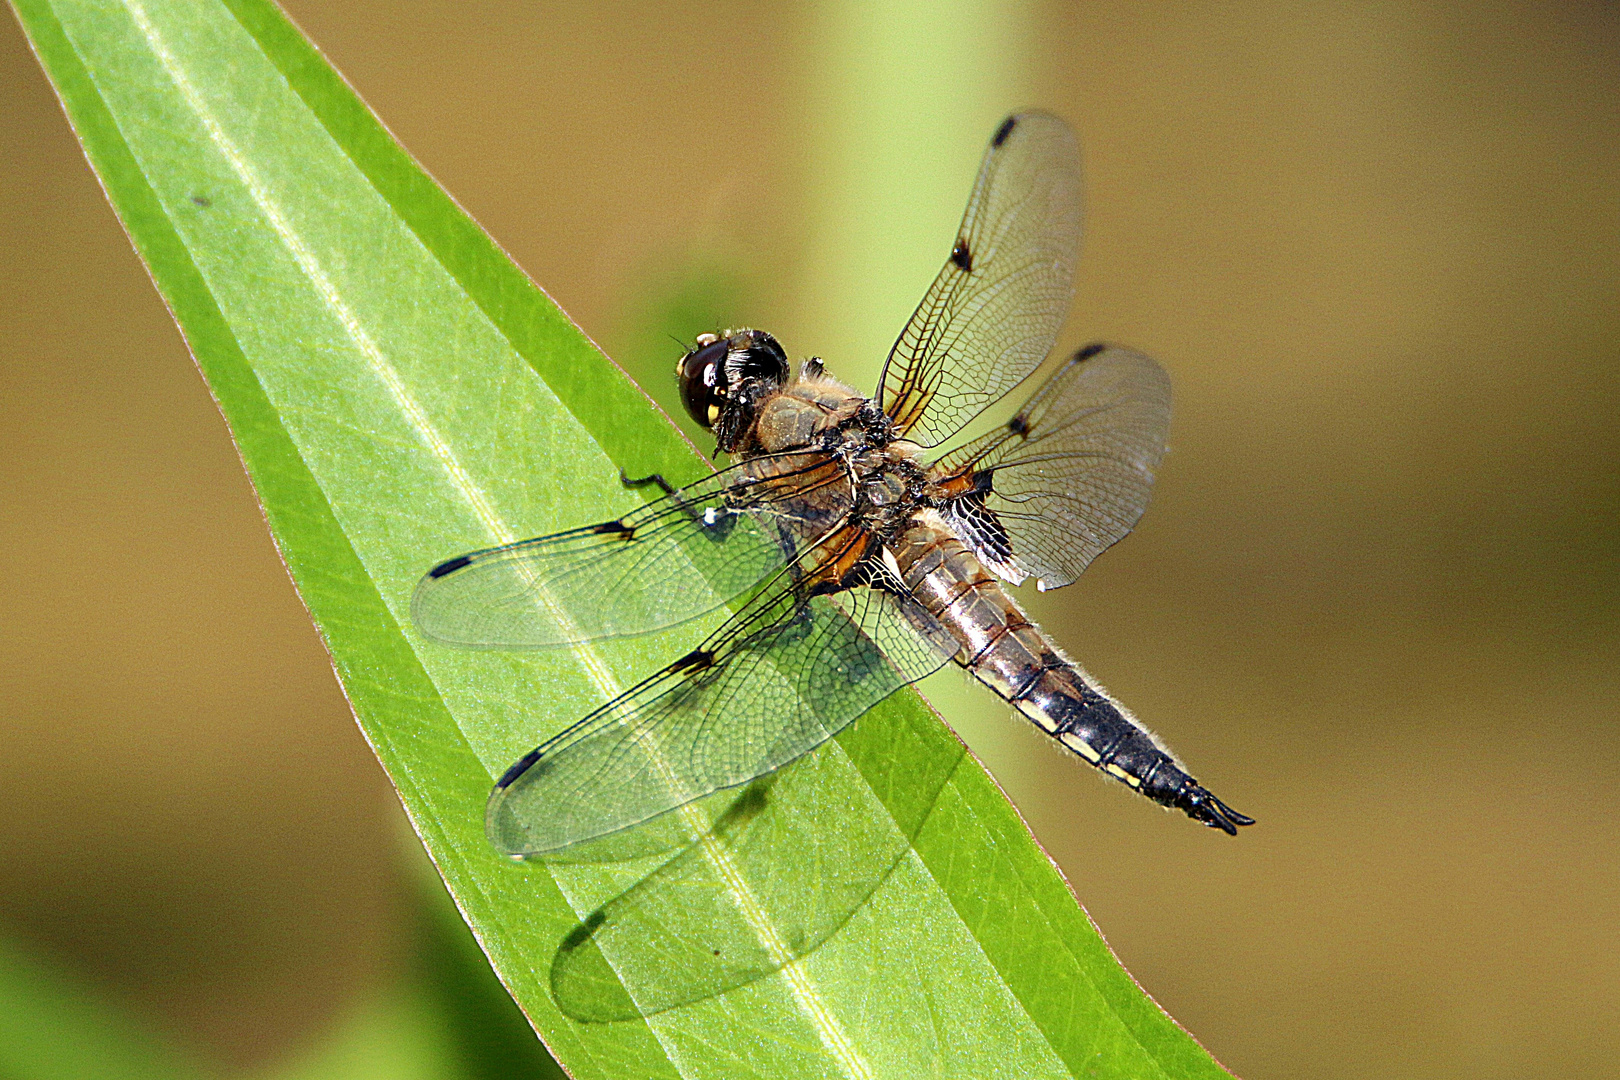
column 724, row 377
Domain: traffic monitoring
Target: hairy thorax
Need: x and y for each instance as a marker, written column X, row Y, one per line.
column 882, row 477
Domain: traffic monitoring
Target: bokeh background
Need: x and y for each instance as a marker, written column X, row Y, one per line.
column 1375, row 603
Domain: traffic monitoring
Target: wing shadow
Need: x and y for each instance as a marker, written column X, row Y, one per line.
column 786, row 862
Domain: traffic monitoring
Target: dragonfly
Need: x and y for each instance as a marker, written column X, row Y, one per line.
column 858, row 542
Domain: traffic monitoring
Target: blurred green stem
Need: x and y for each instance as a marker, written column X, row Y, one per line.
column 906, row 96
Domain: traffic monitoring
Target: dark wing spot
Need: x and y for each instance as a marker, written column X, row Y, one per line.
column 1018, row 426
column 696, row 660
column 1004, row 130
column 961, row 256
column 1090, row 350
column 607, row 528
column 829, row 588
column 450, row 566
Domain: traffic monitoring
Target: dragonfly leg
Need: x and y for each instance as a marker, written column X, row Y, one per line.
column 716, row 529
column 654, row 478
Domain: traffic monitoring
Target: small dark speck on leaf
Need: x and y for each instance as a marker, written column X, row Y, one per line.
column 203, row 201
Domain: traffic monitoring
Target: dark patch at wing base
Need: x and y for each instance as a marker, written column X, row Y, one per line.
column 1069, row 475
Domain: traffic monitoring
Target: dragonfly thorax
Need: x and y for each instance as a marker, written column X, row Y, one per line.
column 816, row 412
column 808, row 413
column 887, row 488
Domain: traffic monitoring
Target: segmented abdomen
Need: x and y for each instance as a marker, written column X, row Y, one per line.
column 1013, row 657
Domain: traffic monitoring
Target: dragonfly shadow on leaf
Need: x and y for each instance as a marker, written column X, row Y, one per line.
column 788, row 861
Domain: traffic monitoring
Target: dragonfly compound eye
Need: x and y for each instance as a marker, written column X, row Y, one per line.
column 702, row 378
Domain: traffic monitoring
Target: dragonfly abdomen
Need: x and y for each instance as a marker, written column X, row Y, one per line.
column 1013, row 657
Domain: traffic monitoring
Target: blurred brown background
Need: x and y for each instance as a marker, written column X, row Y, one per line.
column 1374, row 602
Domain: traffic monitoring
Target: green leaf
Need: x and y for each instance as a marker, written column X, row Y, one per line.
column 488, row 1036
column 400, row 392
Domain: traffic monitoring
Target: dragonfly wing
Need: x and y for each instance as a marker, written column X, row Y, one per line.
column 1068, row 476
column 994, row 311
column 784, row 675
column 660, row 565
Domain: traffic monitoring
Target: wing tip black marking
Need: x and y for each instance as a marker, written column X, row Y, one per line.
column 523, row 764
column 449, row 566
column 1090, row 350
column 1004, row 130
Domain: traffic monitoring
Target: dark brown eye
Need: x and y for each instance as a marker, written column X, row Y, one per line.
column 702, row 377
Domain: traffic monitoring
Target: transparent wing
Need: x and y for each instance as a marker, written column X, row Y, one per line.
column 995, row 309
column 658, row 566
column 785, row 674
column 1068, row 476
